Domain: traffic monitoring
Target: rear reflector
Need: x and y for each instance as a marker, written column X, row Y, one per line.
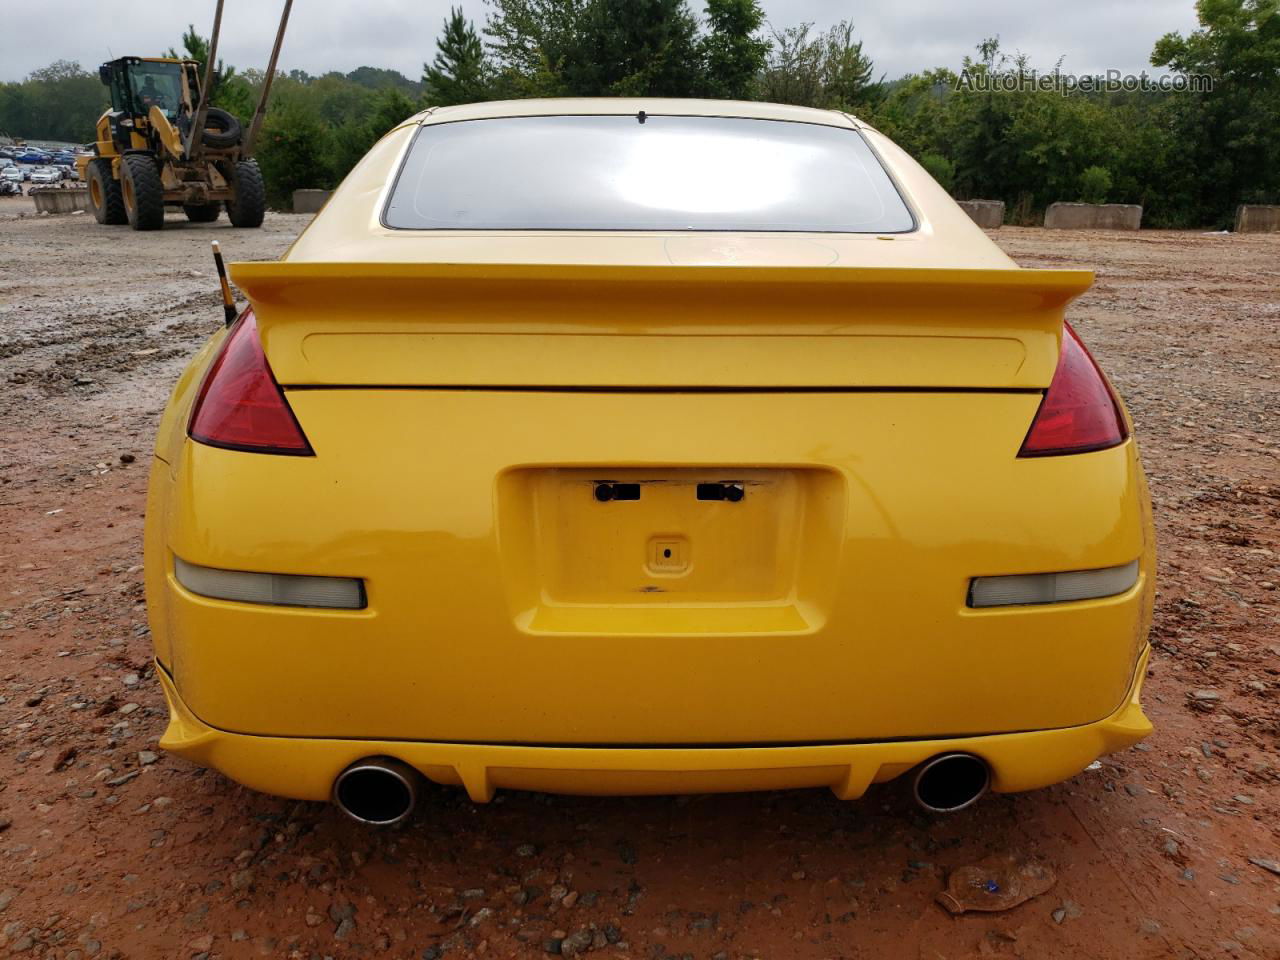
column 1079, row 412
column 1052, row 587
column 277, row 589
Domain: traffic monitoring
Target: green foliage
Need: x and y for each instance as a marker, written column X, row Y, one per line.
column 1188, row 157
column 1095, row 184
column 390, row 109
column 229, row 92
column 294, row 150
column 1028, row 147
column 375, row 78
column 352, row 140
column 588, row 48
column 913, row 111
column 196, row 47
column 940, row 168
column 1228, row 138
column 57, row 102
column 826, row 70
column 236, row 96
column 459, row 73
column 638, row 48
column 733, row 50
column 530, row 40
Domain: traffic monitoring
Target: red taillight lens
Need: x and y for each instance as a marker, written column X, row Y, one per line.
column 1078, row 413
column 240, row 405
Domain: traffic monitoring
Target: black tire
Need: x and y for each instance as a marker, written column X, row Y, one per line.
column 104, row 194
column 142, row 191
column 202, row 212
column 250, row 203
column 225, row 132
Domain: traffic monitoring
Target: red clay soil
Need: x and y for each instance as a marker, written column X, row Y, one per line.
column 108, row 849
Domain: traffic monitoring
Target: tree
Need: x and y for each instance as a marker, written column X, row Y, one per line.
column 57, row 102
column 846, row 70
column 229, row 90
column 940, row 168
column 459, row 73
column 595, row 47
column 294, row 150
column 195, row 47
column 829, row 70
column 375, row 78
column 1229, row 135
column 915, row 111
column 979, row 122
column 531, row 39
column 336, row 99
column 390, row 108
column 637, row 48
column 1095, row 184
column 734, row 53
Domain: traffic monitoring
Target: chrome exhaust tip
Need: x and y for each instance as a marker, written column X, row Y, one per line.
column 379, row 791
column 950, row 782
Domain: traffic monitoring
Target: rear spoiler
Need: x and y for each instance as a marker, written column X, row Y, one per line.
column 665, row 327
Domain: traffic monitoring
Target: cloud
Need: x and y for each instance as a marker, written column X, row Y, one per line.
column 901, row 37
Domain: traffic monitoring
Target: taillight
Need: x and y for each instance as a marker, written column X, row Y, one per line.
column 1079, row 412
column 240, row 406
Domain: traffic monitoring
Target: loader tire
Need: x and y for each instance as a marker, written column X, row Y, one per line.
column 104, row 193
column 250, row 203
column 225, row 130
column 143, row 193
column 202, row 212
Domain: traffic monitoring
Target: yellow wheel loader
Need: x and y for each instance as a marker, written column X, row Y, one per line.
column 162, row 145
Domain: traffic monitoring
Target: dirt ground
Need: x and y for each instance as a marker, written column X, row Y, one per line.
column 107, row 849
column 13, row 207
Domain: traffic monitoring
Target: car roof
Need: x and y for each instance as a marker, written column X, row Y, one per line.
column 628, row 106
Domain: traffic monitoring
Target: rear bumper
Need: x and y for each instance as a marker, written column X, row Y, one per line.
column 305, row 768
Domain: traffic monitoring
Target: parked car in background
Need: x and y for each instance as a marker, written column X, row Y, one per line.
column 63, row 160
column 12, row 173
column 46, row 175
column 33, row 156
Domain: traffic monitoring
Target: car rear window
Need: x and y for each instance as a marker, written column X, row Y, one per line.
column 644, row 173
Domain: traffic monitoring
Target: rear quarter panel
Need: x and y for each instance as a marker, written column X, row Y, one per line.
column 171, row 437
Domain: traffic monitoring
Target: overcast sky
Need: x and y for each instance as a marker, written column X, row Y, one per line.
column 901, row 35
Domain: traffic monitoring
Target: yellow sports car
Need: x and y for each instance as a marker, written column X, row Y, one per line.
column 646, row 446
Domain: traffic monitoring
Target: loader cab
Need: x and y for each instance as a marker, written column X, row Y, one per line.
column 137, row 84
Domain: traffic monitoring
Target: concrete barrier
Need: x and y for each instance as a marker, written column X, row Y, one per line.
column 1093, row 216
column 987, row 214
column 309, row 201
column 1257, row 218
column 60, row 199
